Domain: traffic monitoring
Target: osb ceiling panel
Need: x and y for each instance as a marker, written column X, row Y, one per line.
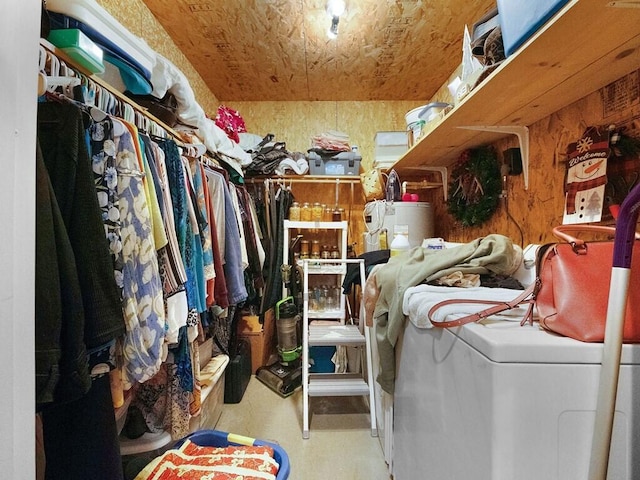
column 257, row 50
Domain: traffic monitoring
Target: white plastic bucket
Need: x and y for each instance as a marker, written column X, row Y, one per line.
column 413, row 115
column 414, row 132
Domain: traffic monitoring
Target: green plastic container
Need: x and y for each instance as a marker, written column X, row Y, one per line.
column 80, row 48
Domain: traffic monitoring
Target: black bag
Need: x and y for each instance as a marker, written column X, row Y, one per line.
column 266, row 157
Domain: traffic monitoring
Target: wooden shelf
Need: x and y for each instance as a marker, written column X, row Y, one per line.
column 586, row 46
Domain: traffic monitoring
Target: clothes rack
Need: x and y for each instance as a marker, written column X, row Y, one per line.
column 100, row 93
column 288, row 180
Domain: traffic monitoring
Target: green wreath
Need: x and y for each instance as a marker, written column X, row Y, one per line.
column 474, row 191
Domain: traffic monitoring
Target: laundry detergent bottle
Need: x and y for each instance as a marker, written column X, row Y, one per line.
column 400, row 241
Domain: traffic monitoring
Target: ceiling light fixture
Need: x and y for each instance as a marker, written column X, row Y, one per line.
column 335, row 8
column 332, row 33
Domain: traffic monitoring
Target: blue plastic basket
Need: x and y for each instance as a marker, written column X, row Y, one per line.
column 217, row 438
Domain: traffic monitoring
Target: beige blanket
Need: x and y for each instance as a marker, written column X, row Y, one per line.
column 491, row 254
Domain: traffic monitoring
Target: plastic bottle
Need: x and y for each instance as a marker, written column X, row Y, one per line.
column 400, row 241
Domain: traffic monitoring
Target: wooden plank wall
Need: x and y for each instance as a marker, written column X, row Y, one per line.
column 533, row 212
column 296, row 122
column 136, row 17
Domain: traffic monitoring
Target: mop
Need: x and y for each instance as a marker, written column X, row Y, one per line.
column 612, row 349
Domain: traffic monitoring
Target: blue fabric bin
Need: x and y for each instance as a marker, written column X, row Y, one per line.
column 320, row 359
column 519, row 19
column 218, row 438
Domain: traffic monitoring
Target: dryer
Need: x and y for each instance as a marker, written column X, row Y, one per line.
column 498, row 401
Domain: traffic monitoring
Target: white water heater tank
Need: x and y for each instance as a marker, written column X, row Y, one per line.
column 381, row 215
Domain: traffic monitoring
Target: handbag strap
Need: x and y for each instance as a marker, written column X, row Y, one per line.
column 562, row 232
column 527, row 296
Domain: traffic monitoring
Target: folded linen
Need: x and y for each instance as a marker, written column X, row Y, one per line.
column 420, row 299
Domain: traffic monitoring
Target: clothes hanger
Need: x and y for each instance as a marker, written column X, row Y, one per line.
column 118, row 128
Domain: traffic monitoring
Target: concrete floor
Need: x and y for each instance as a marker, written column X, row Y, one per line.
column 339, row 447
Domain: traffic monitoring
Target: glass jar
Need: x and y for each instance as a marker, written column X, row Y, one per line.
column 316, row 212
column 315, row 248
column 305, row 212
column 322, row 301
column 304, row 249
column 328, row 214
column 336, row 215
column 335, row 253
column 294, row 212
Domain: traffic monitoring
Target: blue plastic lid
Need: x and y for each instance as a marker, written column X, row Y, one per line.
column 135, row 82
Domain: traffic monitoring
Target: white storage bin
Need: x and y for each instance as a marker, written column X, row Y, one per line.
column 389, row 147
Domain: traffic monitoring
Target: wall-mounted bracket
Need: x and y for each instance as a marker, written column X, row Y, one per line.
column 523, row 138
column 443, row 176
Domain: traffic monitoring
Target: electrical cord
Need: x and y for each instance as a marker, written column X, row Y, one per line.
column 379, row 207
column 504, row 171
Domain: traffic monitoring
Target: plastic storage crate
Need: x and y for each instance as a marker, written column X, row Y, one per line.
column 218, row 438
column 342, row 163
column 520, row 19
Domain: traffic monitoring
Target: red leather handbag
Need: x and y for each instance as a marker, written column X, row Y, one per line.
column 573, row 286
column 571, row 291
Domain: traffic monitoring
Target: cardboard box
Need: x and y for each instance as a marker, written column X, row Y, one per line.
column 263, row 340
column 205, row 352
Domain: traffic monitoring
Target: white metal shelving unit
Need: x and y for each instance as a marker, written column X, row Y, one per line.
column 330, row 327
column 334, row 333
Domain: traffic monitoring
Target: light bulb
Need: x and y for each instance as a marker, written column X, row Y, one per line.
column 332, row 33
column 335, row 8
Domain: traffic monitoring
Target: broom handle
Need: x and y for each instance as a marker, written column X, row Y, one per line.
column 612, row 348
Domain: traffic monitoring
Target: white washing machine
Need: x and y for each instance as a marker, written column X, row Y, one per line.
column 383, row 216
column 505, row 402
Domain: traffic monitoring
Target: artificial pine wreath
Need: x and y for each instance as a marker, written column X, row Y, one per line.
column 474, row 191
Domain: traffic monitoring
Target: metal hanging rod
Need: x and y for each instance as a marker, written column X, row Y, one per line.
column 305, row 179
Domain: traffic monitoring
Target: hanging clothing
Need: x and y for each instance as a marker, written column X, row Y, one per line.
column 172, row 271
column 195, row 223
column 217, row 219
column 179, row 369
column 142, row 292
column 160, row 239
column 279, row 204
column 233, row 266
column 62, row 373
column 63, row 140
column 72, row 449
column 184, row 234
column 198, row 183
column 238, row 212
column 103, row 164
column 253, row 273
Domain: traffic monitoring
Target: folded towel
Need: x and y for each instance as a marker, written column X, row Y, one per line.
column 418, row 301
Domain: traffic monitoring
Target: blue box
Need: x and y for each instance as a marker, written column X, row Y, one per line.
column 320, row 359
column 519, row 19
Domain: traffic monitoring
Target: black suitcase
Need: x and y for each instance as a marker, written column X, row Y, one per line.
column 238, row 373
